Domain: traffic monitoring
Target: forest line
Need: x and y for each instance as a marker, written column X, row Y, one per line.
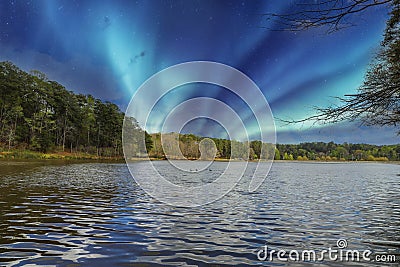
column 40, row 115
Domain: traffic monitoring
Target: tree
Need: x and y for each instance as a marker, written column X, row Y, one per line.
column 256, row 146
column 40, row 114
column 277, row 154
column 148, row 141
column 331, row 14
column 340, row 152
column 287, row 156
column 377, row 101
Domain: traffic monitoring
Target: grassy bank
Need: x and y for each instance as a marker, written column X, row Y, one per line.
column 27, row 154
column 60, row 155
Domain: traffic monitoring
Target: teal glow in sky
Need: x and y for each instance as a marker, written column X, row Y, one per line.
column 109, row 48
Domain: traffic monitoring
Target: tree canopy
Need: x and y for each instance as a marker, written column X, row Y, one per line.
column 42, row 115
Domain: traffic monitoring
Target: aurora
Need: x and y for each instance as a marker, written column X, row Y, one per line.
column 108, row 49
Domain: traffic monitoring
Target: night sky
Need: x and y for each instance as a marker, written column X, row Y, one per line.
column 109, row 48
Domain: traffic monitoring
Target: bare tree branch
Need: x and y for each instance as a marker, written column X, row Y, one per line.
column 377, row 101
column 330, row 13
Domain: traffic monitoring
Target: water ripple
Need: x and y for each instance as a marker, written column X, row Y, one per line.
column 95, row 214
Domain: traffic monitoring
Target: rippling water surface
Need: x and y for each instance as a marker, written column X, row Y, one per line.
column 95, row 214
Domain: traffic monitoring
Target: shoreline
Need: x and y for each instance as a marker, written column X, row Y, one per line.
column 279, row 160
column 18, row 155
column 27, row 155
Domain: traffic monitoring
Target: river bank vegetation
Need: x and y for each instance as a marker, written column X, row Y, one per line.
column 40, row 115
column 41, row 119
column 320, row 151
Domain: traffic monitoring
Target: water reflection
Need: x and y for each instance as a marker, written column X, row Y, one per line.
column 94, row 213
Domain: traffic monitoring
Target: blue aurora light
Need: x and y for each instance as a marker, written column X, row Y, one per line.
column 109, row 48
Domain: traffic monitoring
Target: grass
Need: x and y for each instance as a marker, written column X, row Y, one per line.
column 60, row 155
column 28, row 154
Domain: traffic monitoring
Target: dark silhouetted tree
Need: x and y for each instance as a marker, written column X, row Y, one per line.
column 377, row 100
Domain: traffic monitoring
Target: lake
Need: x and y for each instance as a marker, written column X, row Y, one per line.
column 94, row 214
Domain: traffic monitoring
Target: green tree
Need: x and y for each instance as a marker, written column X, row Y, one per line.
column 148, row 141
column 277, row 154
column 287, row 156
column 256, row 146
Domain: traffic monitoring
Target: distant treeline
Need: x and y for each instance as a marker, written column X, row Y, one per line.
column 41, row 115
column 332, row 151
column 189, row 144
